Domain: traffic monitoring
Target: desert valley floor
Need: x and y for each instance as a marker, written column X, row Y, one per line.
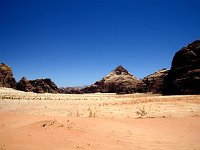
column 98, row 121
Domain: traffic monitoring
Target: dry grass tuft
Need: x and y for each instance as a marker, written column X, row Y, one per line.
column 141, row 111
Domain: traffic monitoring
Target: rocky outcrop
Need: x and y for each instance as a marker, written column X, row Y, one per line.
column 6, row 76
column 70, row 90
column 25, row 85
column 37, row 86
column 94, row 88
column 155, row 81
column 117, row 81
column 184, row 75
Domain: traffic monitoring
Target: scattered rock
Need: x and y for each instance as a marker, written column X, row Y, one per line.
column 50, row 123
column 6, row 76
column 184, row 75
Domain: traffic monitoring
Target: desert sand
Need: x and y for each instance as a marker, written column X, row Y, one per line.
column 98, row 121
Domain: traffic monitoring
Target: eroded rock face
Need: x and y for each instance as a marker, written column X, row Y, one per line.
column 184, row 75
column 37, row 86
column 25, row 85
column 6, row 76
column 94, row 88
column 70, row 90
column 117, row 81
column 155, row 81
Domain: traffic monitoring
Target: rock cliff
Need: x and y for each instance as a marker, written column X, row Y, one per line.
column 155, row 81
column 6, row 76
column 184, row 75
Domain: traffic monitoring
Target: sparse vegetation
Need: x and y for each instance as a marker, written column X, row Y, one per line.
column 77, row 113
column 141, row 111
column 91, row 114
column 111, row 105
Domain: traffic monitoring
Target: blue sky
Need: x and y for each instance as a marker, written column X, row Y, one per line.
column 77, row 42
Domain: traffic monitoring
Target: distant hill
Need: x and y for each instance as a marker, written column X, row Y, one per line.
column 117, row 81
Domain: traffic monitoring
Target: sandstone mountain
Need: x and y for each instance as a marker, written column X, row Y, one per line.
column 155, row 81
column 6, row 76
column 117, row 81
column 184, row 75
column 37, row 86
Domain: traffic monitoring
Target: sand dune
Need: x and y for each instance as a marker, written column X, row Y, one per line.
column 98, row 121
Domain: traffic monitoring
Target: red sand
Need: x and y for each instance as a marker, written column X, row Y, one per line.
column 22, row 132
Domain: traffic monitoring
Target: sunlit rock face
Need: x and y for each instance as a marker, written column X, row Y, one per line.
column 6, row 76
column 117, row 81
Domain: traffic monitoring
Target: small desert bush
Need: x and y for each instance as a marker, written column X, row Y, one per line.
column 91, row 114
column 141, row 111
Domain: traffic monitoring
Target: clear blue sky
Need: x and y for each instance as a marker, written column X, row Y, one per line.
column 77, row 42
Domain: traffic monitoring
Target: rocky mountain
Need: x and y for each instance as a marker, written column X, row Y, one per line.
column 117, row 81
column 184, row 75
column 6, row 76
column 155, row 81
column 37, row 86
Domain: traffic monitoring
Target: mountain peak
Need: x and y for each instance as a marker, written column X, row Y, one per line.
column 120, row 70
column 117, row 81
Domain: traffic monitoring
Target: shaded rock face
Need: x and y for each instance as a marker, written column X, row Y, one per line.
column 117, row 81
column 37, row 86
column 184, row 75
column 6, row 76
column 94, row 88
column 25, row 85
column 155, row 81
column 70, row 90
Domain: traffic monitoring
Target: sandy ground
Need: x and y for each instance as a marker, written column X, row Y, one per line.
column 98, row 121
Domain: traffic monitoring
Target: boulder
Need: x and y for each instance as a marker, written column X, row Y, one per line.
column 6, row 76
column 184, row 75
column 155, row 81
